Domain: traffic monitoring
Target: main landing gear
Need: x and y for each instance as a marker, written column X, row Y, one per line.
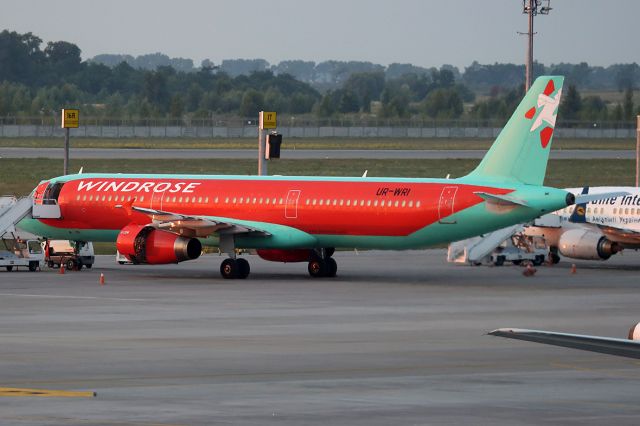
column 322, row 264
column 235, row 268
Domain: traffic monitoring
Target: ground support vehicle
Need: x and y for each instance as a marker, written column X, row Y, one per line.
column 16, row 253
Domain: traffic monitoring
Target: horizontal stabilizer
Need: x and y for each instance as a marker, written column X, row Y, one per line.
column 587, row 198
column 503, row 200
column 604, row 345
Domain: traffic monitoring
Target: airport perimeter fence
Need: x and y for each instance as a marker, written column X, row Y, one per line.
column 34, row 127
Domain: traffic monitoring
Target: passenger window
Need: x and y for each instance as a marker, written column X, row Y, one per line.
column 417, row 203
column 375, row 203
column 361, row 203
column 313, row 202
column 78, row 197
column 342, row 202
column 142, row 198
column 615, row 211
column 199, row 199
column 90, row 197
column 368, row 203
column 396, row 203
column 321, row 202
column 382, row 203
column 307, row 202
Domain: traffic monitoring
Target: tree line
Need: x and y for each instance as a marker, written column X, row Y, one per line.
column 37, row 81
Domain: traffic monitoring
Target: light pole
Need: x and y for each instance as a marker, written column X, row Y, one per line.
column 532, row 8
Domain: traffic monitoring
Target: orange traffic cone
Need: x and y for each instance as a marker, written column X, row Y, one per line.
column 573, row 268
column 101, row 278
column 61, row 269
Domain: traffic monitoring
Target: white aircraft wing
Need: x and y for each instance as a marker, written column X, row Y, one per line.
column 196, row 226
column 604, row 345
column 619, row 232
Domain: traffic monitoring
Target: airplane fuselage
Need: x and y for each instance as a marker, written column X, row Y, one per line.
column 329, row 212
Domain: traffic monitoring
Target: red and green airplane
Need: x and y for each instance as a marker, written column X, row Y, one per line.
column 163, row 218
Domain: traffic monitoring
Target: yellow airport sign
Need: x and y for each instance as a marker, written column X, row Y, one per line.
column 267, row 120
column 70, row 118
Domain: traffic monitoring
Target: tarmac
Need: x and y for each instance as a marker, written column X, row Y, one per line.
column 294, row 154
column 397, row 338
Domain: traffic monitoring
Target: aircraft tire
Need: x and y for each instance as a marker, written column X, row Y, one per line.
column 229, row 269
column 243, row 268
column 332, row 267
column 317, row 268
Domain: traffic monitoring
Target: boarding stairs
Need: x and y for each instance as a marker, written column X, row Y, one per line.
column 12, row 211
column 477, row 249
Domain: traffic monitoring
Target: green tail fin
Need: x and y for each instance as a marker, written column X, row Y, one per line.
column 521, row 151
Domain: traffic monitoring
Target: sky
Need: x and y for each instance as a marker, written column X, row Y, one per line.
column 422, row 32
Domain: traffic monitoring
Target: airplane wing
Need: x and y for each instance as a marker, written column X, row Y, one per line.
column 197, row 226
column 619, row 232
column 603, row 345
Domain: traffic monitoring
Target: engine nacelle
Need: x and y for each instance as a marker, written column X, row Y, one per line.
column 145, row 244
column 286, row 256
column 585, row 244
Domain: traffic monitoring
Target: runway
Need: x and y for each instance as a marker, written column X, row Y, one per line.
column 397, row 338
column 299, row 154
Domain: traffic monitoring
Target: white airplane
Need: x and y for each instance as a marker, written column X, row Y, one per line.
column 629, row 347
column 594, row 229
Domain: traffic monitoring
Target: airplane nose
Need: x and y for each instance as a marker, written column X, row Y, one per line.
column 571, row 199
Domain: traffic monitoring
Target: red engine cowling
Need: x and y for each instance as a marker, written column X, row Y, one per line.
column 145, row 244
column 286, row 256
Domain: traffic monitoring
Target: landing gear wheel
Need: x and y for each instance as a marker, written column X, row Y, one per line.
column 317, row 268
column 243, row 268
column 332, row 267
column 229, row 269
column 70, row 265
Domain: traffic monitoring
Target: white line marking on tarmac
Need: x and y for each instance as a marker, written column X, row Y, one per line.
column 50, row 296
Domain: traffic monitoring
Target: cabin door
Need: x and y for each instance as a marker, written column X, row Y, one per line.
column 291, row 207
column 445, row 204
column 156, row 200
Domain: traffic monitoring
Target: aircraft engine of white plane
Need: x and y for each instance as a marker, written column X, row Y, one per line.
column 585, row 244
column 145, row 244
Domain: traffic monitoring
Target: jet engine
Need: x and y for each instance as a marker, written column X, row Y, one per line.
column 146, row 244
column 585, row 244
column 286, row 256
